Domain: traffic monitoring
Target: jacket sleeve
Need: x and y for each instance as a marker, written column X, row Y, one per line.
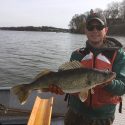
column 117, row 87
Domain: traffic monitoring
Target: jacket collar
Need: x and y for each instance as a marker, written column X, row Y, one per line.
column 109, row 44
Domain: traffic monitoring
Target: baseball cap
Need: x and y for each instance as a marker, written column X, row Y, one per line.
column 96, row 16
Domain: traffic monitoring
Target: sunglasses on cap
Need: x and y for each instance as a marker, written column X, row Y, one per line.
column 97, row 27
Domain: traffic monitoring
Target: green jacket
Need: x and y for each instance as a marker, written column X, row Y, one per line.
column 117, row 87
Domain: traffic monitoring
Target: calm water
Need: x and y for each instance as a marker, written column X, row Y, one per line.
column 25, row 54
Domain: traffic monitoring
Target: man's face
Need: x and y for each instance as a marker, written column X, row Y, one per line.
column 96, row 32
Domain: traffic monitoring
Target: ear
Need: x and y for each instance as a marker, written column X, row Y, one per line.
column 106, row 30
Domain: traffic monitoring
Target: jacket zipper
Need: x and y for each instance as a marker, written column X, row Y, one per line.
column 90, row 104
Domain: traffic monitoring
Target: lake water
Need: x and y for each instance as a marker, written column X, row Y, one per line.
column 24, row 54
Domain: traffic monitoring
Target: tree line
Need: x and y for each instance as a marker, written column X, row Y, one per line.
column 33, row 28
column 115, row 14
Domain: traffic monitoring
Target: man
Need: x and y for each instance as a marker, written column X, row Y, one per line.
column 102, row 53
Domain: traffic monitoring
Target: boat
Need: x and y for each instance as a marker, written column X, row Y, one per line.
column 12, row 112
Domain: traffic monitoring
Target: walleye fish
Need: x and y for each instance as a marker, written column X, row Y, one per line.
column 72, row 77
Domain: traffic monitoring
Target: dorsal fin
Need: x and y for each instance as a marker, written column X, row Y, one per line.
column 70, row 65
column 42, row 73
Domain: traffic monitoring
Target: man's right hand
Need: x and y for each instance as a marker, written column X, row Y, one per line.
column 53, row 89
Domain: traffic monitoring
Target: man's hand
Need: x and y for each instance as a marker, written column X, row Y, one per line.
column 53, row 89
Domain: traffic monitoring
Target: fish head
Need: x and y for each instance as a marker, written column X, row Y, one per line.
column 98, row 77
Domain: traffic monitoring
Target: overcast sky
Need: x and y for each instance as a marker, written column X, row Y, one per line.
column 56, row 13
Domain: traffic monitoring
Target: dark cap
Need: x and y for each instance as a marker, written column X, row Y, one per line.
column 96, row 16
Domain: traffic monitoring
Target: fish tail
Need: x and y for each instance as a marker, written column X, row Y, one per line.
column 22, row 92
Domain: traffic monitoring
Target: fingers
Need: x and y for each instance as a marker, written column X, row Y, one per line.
column 45, row 90
column 60, row 91
column 55, row 89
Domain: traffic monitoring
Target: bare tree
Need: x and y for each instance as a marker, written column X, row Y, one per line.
column 114, row 13
column 123, row 10
column 113, row 10
column 98, row 10
column 77, row 23
column 106, row 13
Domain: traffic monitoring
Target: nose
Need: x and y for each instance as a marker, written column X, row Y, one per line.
column 95, row 30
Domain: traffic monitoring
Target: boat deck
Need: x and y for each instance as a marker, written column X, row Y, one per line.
column 19, row 114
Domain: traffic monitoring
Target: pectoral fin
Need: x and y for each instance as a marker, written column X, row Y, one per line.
column 83, row 95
